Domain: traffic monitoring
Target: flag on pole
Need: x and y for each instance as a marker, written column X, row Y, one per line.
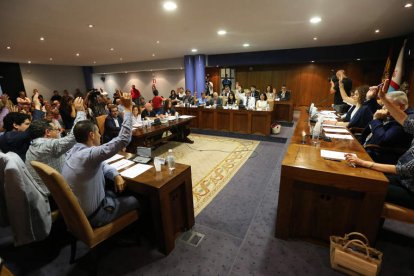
column 397, row 75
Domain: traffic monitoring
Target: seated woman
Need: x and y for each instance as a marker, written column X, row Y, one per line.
column 168, row 108
column 173, row 97
column 231, row 100
column 359, row 115
column 262, row 104
column 136, row 116
column 401, row 176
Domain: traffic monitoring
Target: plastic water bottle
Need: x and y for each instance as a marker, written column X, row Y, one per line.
column 170, row 161
column 176, row 115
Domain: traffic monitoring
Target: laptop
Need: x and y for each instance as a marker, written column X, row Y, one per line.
column 143, row 155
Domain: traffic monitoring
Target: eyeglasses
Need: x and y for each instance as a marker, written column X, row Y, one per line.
column 55, row 129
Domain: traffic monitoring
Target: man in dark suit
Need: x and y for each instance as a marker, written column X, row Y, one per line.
column 148, row 112
column 215, row 100
column 112, row 125
column 254, row 93
column 386, row 132
column 284, row 94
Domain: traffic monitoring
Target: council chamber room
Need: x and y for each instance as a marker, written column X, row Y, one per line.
column 206, row 138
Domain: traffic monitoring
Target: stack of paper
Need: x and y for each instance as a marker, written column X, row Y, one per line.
column 136, row 170
column 113, row 158
column 335, row 130
column 333, row 155
column 330, row 125
column 123, row 163
column 339, row 136
column 186, row 116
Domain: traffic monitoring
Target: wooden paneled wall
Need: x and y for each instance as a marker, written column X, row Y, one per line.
column 308, row 82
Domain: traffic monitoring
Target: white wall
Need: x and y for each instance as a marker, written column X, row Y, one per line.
column 154, row 65
column 166, row 80
column 47, row 78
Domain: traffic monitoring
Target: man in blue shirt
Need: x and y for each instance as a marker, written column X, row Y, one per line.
column 85, row 170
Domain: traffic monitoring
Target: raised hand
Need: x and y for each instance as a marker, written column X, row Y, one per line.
column 383, row 91
column 126, row 101
column 36, row 101
column 78, row 104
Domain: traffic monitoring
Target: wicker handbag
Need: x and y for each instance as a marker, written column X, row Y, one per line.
column 354, row 256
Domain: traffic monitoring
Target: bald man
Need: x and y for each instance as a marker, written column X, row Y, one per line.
column 148, row 112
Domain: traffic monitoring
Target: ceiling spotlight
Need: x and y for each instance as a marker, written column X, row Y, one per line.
column 408, row 5
column 153, row 55
column 358, row 59
column 94, row 62
column 315, row 20
column 194, row 50
column 42, row 38
column 377, row 31
column 170, row 6
column 315, row 38
column 29, row 61
column 246, row 45
column 90, row 26
column 77, row 54
column 112, row 49
column 221, row 32
column 158, row 42
column 8, row 47
column 50, row 59
column 312, row 61
column 121, row 59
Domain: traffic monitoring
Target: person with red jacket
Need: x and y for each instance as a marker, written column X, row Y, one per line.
column 157, row 102
column 135, row 95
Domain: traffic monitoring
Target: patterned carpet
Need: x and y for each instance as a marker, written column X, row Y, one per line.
column 214, row 161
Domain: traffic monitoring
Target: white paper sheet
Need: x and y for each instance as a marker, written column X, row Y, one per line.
column 136, row 170
column 122, row 164
column 335, row 130
column 329, row 125
column 186, row 116
column 327, row 112
column 339, row 136
column 113, row 158
column 333, row 155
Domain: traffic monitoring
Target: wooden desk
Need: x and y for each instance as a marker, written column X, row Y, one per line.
column 319, row 197
column 148, row 137
column 171, row 201
column 283, row 110
column 241, row 121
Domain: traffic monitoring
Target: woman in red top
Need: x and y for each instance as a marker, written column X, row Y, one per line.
column 157, row 102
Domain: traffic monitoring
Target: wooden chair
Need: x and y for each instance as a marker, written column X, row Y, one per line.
column 396, row 212
column 100, row 120
column 73, row 215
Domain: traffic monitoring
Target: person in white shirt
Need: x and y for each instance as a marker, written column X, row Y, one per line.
column 262, row 104
column 136, row 117
column 249, row 101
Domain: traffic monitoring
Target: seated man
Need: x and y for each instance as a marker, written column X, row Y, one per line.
column 226, row 91
column 148, row 112
column 15, row 137
column 283, row 95
column 47, row 146
column 248, row 100
column 85, row 170
column 385, row 131
column 215, row 100
column 112, row 124
column 202, row 100
column 188, row 99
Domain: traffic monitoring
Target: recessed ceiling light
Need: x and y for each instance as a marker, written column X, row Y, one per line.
column 42, row 38
column 377, row 31
column 408, row 5
column 246, row 45
column 94, row 62
column 221, row 32
column 112, row 49
column 50, row 59
column 29, row 61
column 158, row 42
column 312, row 61
column 315, row 38
column 120, row 58
column 194, row 50
column 358, row 59
column 315, row 20
column 153, row 55
column 8, row 47
column 170, row 6
column 90, row 25
column 77, row 54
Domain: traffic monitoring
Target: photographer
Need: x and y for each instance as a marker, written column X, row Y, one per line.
column 339, row 105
